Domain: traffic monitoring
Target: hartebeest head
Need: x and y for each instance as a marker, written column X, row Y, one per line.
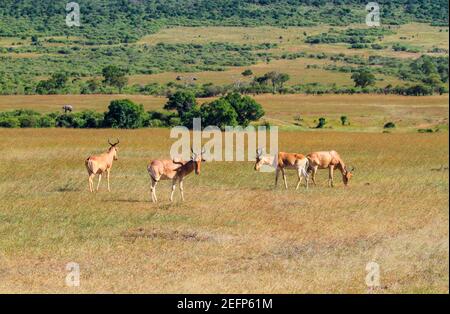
column 259, row 159
column 347, row 175
column 113, row 148
column 197, row 160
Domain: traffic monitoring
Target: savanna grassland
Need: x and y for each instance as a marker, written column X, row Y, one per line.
column 302, row 63
column 234, row 233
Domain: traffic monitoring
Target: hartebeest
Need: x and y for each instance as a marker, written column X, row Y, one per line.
column 167, row 169
column 330, row 160
column 99, row 164
column 284, row 161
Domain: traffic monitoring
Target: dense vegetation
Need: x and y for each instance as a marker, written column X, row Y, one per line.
column 76, row 61
column 231, row 110
column 127, row 20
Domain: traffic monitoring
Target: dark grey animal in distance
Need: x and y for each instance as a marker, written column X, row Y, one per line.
column 67, row 108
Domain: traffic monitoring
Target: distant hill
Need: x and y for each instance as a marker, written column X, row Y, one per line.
column 127, row 20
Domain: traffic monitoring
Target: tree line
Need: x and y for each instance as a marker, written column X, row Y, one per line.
column 181, row 108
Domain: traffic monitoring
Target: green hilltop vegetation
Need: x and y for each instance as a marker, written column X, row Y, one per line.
column 39, row 54
column 128, row 20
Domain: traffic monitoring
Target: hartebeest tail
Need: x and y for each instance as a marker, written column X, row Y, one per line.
column 282, row 162
column 167, row 169
column 330, row 160
column 98, row 164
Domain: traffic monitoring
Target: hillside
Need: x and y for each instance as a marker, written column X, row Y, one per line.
column 128, row 20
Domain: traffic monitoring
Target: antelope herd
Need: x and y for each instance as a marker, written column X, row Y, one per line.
column 177, row 170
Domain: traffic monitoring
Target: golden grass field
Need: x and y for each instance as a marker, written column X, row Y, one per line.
column 234, row 233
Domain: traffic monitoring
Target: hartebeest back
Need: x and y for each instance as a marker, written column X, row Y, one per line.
column 284, row 161
column 330, row 160
column 98, row 164
column 167, row 169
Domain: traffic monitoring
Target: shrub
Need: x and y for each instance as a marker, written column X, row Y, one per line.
column 425, row 130
column 156, row 123
column 174, row 121
column 91, row 119
column 29, row 121
column 46, row 121
column 389, row 125
column 322, row 122
column 124, row 114
column 9, row 122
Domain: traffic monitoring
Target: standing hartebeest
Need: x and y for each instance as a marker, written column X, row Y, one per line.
column 99, row 164
column 330, row 160
column 284, row 161
column 167, row 169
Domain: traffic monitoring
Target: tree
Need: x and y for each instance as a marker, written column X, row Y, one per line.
column 219, row 113
column 277, row 79
column 34, row 40
column 344, row 120
column 363, row 78
column 124, row 114
column 247, row 108
column 181, row 101
column 322, row 122
column 247, row 72
column 114, row 76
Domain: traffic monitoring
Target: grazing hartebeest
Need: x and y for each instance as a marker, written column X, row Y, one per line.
column 330, row 160
column 167, row 169
column 284, row 161
column 101, row 163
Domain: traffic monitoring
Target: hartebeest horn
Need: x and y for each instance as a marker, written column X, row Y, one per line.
column 259, row 152
column 109, row 142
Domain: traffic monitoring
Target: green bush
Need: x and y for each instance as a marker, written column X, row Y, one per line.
column 174, row 121
column 46, row 121
column 29, row 121
column 9, row 122
column 156, row 123
column 389, row 125
column 124, row 114
column 322, row 122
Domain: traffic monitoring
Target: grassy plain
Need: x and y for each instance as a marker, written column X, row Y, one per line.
column 235, row 233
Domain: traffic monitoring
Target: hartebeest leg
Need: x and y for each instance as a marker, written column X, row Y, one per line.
column 299, row 179
column 284, row 178
column 174, row 185
column 181, row 190
column 330, row 177
column 99, row 179
column 91, row 182
column 153, row 190
column 107, row 177
column 277, row 172
column 313, row 177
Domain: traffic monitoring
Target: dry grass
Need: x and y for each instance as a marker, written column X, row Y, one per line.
column 297, row 69
column 234, row 233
